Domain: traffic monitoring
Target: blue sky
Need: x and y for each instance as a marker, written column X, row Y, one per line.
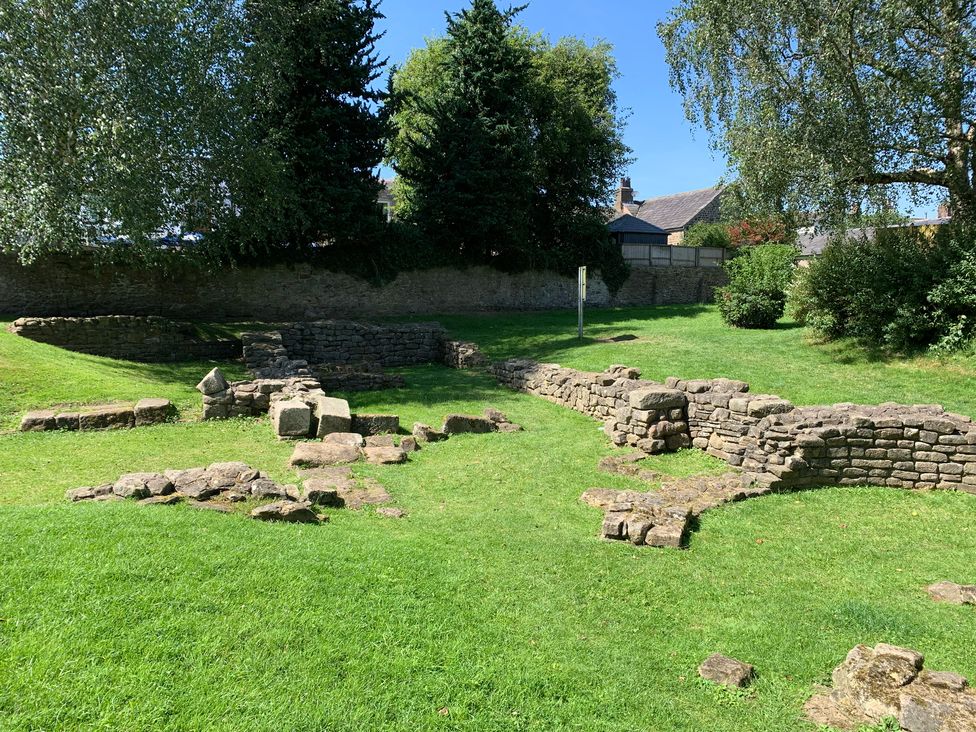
column 669, row 155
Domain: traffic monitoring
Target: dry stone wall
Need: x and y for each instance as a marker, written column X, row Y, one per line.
column 776, row 443
column 903, row 446
column 60, row 286
column 639, row 413
column 345, row 342
column 127, row 337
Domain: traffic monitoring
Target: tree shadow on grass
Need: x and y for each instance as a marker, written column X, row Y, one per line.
column 428, row 386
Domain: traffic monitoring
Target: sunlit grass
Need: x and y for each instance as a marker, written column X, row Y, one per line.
column 492, row 606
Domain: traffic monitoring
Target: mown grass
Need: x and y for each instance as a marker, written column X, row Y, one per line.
column 492, row 606
column 692, row 342
column 39, row 376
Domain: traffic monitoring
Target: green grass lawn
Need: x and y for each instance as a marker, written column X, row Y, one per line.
column 494, row 605
column 39, row 376
column 693, row 343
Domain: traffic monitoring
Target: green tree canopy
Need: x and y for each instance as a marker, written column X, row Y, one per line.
column 316, row 126
column 507, row 146
column 115, row 119
column 820, row 104
column 254, row 120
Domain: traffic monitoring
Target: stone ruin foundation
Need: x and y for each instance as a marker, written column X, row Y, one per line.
column 774, row 445
column 144, row 413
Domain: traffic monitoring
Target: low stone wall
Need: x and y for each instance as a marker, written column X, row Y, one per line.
column 62, row 286
column 144, row 413
column 639, row 413
column 775, row 443
column 897, row 445
column 127, row 337
column 343, row 342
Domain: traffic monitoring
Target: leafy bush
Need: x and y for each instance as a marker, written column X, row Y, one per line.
column 758, row 231
column 758, row 281
column 707, row 235
column 901, row 289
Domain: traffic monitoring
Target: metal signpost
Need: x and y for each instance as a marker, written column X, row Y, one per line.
column 582, row 298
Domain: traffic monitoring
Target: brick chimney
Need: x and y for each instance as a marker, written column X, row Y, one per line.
column 944, row 212
column 625, row 195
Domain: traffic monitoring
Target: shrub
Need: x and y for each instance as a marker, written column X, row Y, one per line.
column 901, row 289
column 758, row 281
column 707, row 235
column 758, row 231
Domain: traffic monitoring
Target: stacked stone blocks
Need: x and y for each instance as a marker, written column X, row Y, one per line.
column 635, row 412
column 144, row 413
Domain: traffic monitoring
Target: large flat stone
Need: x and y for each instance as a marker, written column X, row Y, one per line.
column 39, row 421
column 107, row 418
column 319, row 454
column 288, row 512
column 657, row 398
column 456, row 424
column 375, row 424
column 726, row 671
column 385, row 455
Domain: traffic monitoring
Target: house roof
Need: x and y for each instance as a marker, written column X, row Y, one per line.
column 676, row 211
column 627, row 224
column 813, row 242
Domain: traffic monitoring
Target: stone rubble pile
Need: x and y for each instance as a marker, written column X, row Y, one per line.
column 143, row 413
column 661, row 518
column 463, row 355
column 873, row 684
column 266, row 357
column 214, row 487
column 222, row 400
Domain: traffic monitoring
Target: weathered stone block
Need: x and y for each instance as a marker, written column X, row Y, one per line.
column 331, row 415
column 657, row 398
column 288, row 512
column 153, row 411
column 39, row 421
column 318, row 454
column 107, row 418
column 726, row 671
column 213, row 383
column 291, row 419
column 456, row 424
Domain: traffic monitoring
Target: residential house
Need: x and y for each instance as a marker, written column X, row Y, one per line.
column 812, row 242
column 676, row 213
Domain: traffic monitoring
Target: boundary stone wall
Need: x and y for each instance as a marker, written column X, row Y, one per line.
column 776, row 443
column 127, row 337
column 59, row 286
column 347, row 342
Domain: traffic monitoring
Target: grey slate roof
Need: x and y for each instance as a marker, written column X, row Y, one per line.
column 813, row 242
column 674, row 212
column 627, row 224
